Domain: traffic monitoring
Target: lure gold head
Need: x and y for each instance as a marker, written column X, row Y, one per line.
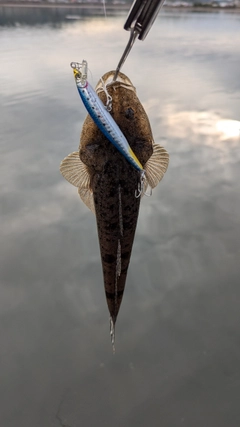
column 76, row 74
column 80, row 72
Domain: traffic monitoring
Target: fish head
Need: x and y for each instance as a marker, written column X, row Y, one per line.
column 107, row 81
column 80, row 72
column 128, row 113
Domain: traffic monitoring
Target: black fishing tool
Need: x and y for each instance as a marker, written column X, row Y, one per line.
column 139, row 21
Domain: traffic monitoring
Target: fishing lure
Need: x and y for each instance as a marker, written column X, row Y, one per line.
column 101, row 116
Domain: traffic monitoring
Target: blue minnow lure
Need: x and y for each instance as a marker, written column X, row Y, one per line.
column 101, row 116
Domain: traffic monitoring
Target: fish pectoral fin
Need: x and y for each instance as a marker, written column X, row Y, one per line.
column 75, row 171
column 87, row 197
column 157, row 165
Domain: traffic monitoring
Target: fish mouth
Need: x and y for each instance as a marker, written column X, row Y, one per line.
column 107, row 80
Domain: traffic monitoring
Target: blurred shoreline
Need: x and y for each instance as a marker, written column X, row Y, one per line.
column 177, row 6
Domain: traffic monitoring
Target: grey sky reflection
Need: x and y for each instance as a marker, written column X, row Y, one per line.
column 177, row 333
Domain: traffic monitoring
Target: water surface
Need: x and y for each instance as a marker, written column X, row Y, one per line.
column 177, row 335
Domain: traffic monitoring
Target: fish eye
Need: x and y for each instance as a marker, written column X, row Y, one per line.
column 129, row 113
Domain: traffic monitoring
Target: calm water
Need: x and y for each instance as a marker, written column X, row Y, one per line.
column 178, row 338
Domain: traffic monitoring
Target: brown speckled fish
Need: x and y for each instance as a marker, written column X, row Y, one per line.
column 108, row 183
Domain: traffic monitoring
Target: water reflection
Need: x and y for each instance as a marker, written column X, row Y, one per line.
column 213, row 128
column 177, row 332
column 54, row 16
column 228, row 128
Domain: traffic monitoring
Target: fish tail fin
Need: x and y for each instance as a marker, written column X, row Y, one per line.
column 112, row 332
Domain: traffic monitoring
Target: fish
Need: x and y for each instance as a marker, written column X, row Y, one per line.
column 108, row 183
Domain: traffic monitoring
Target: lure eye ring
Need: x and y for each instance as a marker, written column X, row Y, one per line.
column 76, row 65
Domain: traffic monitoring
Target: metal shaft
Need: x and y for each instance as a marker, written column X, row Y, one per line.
column 129, row 46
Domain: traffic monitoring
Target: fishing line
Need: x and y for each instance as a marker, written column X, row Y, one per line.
column 91, row 79
column 104, row 8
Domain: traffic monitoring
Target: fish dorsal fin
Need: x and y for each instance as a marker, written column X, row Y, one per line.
column 157, row 165
column 87, row 197
column 75, row 171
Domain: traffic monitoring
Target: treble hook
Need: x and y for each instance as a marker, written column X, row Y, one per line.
column 140, row 188
column 108, row 105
